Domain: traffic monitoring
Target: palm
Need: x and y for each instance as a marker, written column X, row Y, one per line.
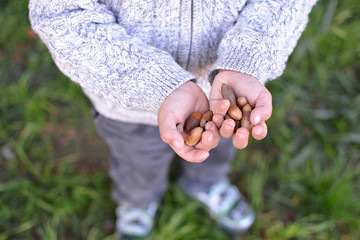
column 175, row 109
column 242, row 87
column 182, row 102
column 259, row 98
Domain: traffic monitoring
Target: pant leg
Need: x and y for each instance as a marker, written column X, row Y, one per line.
column 200, row 176
column 139, row 161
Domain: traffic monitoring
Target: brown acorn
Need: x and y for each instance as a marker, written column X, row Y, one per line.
column 241, row 102
column 206, row 117
column 227, row 93
column 192, row 121
column 245, row 121
column 194, row 136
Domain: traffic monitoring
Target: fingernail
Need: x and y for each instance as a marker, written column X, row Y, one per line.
column 257, row 120
column 176, row 144
column 257, row 131
column 211, row 126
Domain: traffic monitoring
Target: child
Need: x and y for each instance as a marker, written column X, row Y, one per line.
column 147, row 65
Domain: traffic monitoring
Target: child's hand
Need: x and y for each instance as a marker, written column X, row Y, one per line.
column 259, row 98
column 175, row 109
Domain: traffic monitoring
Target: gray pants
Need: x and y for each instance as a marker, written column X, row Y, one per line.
column 140, row 162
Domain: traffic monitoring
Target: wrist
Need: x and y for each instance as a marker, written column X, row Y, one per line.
column 189, row 86
column 229, row 75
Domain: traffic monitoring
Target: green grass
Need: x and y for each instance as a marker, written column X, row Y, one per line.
column 303, row 179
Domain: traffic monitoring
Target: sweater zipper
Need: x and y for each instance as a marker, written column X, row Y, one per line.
column 191, row 33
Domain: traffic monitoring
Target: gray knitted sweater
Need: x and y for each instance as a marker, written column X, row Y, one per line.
column 129, row 55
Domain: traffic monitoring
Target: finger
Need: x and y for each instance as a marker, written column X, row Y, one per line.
column 218, row 120
column 241, row 138
column 210, row 137
column 173, row 138
column 259, row 131
column 263, row 108
column 227, row 128
column 210, row 126
column 170, row 135
column 176, row 142
column 221, row 107
column 191, row 154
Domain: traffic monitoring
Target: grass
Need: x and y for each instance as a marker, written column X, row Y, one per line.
column 303, row 179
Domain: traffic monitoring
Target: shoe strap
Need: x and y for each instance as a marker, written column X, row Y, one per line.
column 136, row 221
column 221, row 198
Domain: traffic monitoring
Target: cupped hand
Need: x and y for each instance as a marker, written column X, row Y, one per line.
column 259, row 98
column 175, row 109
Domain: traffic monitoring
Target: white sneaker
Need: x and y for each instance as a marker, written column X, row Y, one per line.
column 227, row 206
column 135, row 223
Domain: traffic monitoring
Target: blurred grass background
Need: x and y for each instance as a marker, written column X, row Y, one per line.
column 303, row 179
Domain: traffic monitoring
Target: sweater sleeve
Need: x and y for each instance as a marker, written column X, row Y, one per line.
column 94, row 51
column 261, row 41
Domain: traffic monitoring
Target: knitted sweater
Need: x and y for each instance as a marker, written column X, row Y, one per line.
column 129, row 55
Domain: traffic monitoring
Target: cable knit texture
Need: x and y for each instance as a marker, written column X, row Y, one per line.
column 129, row 55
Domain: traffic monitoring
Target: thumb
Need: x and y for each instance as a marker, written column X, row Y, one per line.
column 263, row 108
column 173, row 138
column 169, row 133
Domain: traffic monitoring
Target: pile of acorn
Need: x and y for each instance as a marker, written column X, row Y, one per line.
column 239, row 111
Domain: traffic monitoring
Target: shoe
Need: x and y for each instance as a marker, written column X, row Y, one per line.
column 135, row 223
column 227, row 206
